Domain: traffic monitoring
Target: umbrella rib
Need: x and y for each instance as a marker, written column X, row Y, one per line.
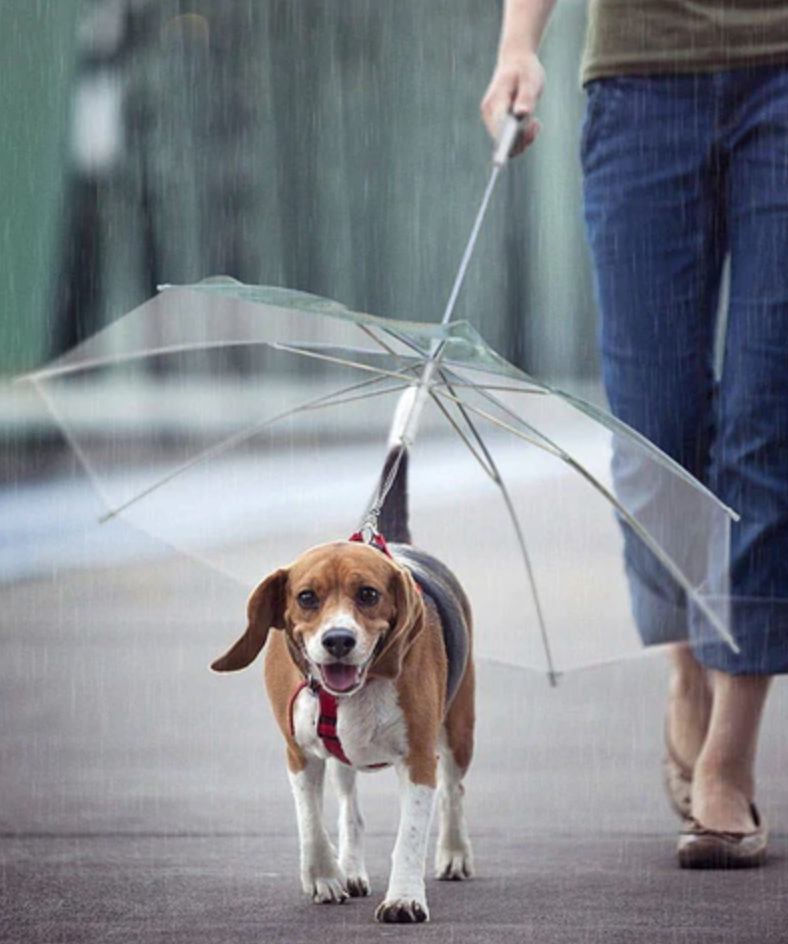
column 610, row 422
column 386, row 347
column 537, row 388
column 536, row 438
column 618, row 426
column 459, row 384
column 554, row 449
column 95, row 363
column 337, row 397
column 464, row 438
column 380, row 372
column 79, row 452
column 490, row 466
column 408, row 343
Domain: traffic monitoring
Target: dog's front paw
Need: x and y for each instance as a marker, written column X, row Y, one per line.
column 454, row 865
column 325, row 882
column 358, row 886
column 402, row 911
column 326, row 891
column 322, row 877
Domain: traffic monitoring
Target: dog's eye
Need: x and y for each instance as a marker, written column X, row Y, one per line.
column 307, row 600
column 368, row 596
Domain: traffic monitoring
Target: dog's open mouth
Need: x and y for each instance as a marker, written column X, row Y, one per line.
column 340, row 678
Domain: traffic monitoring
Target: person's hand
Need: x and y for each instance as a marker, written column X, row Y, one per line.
column 515, row 88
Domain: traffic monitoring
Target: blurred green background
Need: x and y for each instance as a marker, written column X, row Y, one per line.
column 37, row 52
column 334, row 147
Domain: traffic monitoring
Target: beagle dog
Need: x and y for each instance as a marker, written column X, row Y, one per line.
column 369, row 665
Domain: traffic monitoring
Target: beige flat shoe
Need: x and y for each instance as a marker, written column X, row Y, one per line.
column 703, row 848
column 678, row 781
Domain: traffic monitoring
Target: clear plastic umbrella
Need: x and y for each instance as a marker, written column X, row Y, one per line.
column 249, row 422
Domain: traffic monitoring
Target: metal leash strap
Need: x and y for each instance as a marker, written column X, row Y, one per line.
column 369, row 524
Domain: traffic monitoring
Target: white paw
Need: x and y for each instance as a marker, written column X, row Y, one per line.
column 358, row 885
column 402, row 911
column 326, row 891
column 454, row 865
column 322, row 877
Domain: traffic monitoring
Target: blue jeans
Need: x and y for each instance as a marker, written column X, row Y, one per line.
column 680, row 172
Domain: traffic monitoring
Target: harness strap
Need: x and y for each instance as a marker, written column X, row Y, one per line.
column 327, row 725
column 291, row 706
column 326, row 722
column 373, row 539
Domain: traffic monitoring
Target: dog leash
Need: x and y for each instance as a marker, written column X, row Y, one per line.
column 368, row 529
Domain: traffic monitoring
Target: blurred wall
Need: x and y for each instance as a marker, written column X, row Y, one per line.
column 37, row 46
column 553, row 306
column 330, row 147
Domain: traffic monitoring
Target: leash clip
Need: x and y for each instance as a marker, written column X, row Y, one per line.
column 368, row 534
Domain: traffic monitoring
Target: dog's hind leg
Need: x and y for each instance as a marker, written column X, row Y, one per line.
column 453, row 851
column 351, row 830
column 321, row 874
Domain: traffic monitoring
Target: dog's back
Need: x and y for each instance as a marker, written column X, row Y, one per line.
column 437, row 582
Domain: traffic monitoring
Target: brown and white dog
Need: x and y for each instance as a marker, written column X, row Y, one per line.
column 370, row 666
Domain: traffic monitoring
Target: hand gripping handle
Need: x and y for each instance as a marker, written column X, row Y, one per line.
column 507, row 139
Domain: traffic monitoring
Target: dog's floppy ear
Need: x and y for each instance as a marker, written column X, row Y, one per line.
column 265, row 610
column 407, row 625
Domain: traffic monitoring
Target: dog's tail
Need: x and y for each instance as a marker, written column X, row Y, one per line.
column 393, row 519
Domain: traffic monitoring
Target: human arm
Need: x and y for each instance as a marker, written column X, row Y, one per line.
column 518, row 79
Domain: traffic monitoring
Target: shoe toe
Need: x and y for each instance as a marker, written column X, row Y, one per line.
column 703, row 848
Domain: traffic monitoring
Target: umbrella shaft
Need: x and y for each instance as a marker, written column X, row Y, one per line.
column 408, row 413
column 466, row 258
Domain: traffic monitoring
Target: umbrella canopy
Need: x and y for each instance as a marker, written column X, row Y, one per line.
column 249, row 423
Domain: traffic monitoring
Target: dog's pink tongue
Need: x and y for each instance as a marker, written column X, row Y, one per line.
column 339, row 677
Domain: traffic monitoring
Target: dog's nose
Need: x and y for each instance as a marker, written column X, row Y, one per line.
column 339, row 642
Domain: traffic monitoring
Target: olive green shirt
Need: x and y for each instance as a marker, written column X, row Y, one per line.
column 673, row 36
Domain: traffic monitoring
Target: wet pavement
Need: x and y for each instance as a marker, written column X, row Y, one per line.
column 144, row 799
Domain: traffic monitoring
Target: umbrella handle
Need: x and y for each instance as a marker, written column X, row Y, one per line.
column 507, row 139
column 407, row 415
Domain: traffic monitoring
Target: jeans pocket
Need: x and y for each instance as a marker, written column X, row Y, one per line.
column 594, row 118
column 607, row 104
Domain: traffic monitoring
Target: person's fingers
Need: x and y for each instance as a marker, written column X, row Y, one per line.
column 497, row 102
column 514, row 89
column 529, row 87
column 527, row 136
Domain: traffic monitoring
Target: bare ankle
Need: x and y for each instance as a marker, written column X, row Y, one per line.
column 689, row 705
column 722, row 799
column 723, row 784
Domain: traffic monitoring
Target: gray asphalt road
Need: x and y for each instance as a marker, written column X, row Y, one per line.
column 143, row 799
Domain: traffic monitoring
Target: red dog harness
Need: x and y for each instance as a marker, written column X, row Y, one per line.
column 327, row 718
column 328, row 703
column 326, row 721
column 375, row 540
